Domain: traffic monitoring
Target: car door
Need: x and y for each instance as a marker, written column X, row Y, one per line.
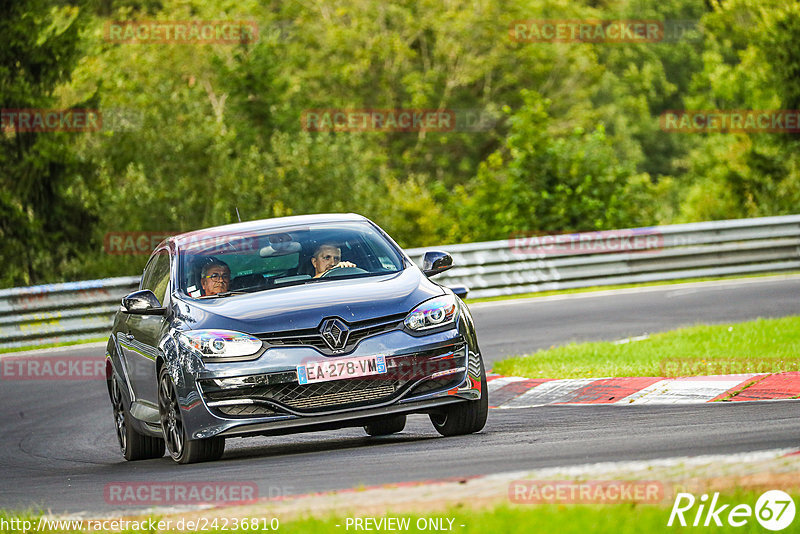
column 140, row 343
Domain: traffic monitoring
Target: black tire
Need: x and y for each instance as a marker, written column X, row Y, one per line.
column 181, row 449
column 465, row 417
column 134, row 446
column 387, row 425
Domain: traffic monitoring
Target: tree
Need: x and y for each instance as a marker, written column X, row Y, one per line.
column 751, row 63
column 551, row 183
column 43, row 218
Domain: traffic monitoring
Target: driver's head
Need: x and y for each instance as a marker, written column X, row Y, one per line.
column 215, row 277
column 325, row 257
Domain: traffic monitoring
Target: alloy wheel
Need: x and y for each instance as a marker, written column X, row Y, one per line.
column 169, row 410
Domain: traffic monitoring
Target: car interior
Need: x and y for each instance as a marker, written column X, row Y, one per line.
column 284, row 259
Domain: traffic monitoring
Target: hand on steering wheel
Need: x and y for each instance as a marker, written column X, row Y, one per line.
column 342, row 265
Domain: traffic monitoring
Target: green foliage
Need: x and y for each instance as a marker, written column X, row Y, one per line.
column 194, row 131
column 750, row 62
column 542, row 182
column 43, row 181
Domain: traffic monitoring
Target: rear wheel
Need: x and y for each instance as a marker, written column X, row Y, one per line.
column 386, row 426
column 181, row 449
column 465, row 417
column 134, row 446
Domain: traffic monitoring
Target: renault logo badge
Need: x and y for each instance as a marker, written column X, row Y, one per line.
column 335, row 333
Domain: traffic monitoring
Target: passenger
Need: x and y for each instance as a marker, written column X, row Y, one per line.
column 215, row 277
column 326, row 257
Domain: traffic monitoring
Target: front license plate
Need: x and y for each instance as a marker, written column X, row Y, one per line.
column 341, row 368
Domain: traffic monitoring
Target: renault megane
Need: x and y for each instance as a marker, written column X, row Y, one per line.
column 288, row 325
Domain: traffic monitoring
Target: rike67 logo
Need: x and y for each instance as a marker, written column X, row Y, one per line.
column 774, row 510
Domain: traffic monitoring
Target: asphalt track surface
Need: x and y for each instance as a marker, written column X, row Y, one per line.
column 58, row 450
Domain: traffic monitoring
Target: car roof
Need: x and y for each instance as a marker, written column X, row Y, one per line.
column 264, row 224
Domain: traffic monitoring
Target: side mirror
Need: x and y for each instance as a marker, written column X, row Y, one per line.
column 435, row 262
column 142, row 302
column 460, row 291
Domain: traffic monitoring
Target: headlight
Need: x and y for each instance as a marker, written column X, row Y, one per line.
column 220, row 343
column 432, row 313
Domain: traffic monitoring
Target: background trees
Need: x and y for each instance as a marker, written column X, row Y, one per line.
column 570, row 138
column 44, row 180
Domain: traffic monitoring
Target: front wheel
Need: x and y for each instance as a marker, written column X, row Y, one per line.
column 465, row 417
column 134, row 446
column 181, row 449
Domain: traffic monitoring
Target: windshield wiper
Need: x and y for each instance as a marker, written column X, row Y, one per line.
column 225, row 294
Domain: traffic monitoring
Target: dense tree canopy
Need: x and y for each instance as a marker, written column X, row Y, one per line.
column 548, row 136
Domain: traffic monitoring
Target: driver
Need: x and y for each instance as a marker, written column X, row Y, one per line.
column 215, row 277
column 327, row 257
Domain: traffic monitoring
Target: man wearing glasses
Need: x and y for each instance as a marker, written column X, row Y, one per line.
column 215, row 277
column 326, row 258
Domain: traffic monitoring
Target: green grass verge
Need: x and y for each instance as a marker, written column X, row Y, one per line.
column 761, row 346
column 52, row 345
column 593, row 289
column 563, row 519
column 624, row 518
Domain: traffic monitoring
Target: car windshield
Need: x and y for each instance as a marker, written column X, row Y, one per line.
column 214, row 264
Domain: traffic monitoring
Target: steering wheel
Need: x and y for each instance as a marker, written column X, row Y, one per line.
column 342, row 271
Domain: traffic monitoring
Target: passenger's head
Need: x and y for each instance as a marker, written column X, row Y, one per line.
column 215, row 277
column 325, row 257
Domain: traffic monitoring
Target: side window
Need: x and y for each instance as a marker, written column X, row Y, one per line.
column 156, row 275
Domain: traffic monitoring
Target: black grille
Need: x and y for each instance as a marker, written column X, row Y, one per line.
column 316, row 395
column 403, row 373
column 246, row 410
column 437, row 384
column 311, row 337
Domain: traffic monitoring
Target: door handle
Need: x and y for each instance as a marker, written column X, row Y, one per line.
column 126, row 336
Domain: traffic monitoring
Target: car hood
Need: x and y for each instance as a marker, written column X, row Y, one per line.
column 305, row 306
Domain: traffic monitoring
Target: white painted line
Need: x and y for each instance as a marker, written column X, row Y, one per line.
column 630, row 339
column 549, row 393
column 679, row 391
column 498, row 383
column 55, row 350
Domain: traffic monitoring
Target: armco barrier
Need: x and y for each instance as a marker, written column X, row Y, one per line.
column 83, row 310
column 717, row 248
column 60, row 312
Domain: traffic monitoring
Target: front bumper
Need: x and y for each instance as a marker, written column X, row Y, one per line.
column 423, row 374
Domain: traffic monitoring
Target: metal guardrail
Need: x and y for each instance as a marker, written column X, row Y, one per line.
column 55, row 313
column 83, row 310
column 716, row 248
